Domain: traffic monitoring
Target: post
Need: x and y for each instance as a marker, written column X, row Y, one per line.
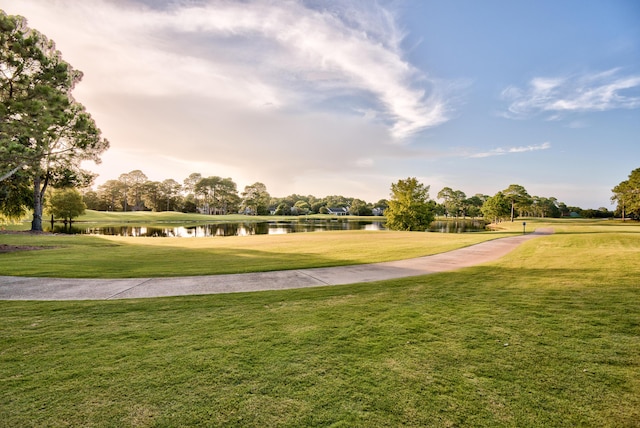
column 524, row 227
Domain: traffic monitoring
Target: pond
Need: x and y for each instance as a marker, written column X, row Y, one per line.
column 250, row 228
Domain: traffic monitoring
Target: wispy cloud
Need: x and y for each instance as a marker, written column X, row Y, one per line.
column 510, row 150
column 603, row 91
column 263, row 53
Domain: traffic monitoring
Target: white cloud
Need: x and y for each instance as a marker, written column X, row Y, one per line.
column 603, row 91
column 504, row 151
column 280, row 54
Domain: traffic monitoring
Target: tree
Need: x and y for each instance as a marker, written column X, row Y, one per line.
column 134, row 186
column 189, row 187
column 409, row 207
column 453, row 201
column 627, row 195
column 474, row 204
column 152, row 196
column 170, row 193
column 44, row 133
column 92, row 200
column 359, row 207
column 255, row 199
column 496, row 208
column 517, row 197
column 544, row 207
column 220, row 194
column 66, row 204
column 337, row 201
column 283, row 209
column 113, row 195
column 301, row 207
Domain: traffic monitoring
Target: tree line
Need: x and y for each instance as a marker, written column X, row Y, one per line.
column 133, row 191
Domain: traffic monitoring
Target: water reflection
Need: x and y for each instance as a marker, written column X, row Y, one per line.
column 457, row 226
column 221, row 229
column 254, row 228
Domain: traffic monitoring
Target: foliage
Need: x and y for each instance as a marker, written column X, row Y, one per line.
column 627, row 195
column 162, row 196
column 496, row 208
column 220, row 195
column 65, row 204
column 359, row 207
column 44, row 133
column 518, row 198
column 15, row 196
column 256, row 199
column 544, row 207
column 409, row 206
column 454, row 201
column 133, row 186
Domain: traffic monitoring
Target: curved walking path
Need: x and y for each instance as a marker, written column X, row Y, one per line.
column 31, row 288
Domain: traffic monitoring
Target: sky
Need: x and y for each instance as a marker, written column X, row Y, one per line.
column 324, row 97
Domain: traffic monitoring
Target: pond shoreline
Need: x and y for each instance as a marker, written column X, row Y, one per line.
column 188, row 229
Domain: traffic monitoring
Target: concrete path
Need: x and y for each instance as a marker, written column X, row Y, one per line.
column 30, row 288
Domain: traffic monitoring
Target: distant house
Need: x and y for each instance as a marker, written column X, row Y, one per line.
column 377, row 211
column 337, row 211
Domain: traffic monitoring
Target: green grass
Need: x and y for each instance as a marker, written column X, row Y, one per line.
column 547, row 336
column 84, row 256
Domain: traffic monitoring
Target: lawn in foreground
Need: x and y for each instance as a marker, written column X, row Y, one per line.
column 548, row 336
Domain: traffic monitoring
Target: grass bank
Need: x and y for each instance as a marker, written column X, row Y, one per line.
column 547, row 336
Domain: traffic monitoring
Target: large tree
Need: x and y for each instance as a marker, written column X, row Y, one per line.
column 518, row 198
column 627, row 195
column 454, row 201
column 496, row 208
column 44, row 133
column 133, row 184
column 170, row 193
column 409, row 206
column 256, row 199
column 113, row 195
column 220, row 195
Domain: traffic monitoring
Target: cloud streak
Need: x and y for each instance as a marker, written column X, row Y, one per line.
column 510, row 150
column 262, row 53
column 556, row 96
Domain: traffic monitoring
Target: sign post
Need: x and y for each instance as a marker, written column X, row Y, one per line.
column 524, row 227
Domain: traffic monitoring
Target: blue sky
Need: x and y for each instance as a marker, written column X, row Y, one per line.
column 346, row 97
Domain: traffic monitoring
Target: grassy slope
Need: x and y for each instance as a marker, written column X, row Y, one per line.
column 547, row 336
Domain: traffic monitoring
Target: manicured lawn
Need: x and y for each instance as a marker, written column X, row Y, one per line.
column 85, row 256
column 547, row 336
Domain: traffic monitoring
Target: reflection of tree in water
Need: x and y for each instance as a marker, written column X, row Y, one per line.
column 457, row 226
column 220, row 229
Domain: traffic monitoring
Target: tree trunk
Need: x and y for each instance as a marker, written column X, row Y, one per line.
column 39, row 187
column 36, row 223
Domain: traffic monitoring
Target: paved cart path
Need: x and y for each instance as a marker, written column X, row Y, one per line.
column 31, row 288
